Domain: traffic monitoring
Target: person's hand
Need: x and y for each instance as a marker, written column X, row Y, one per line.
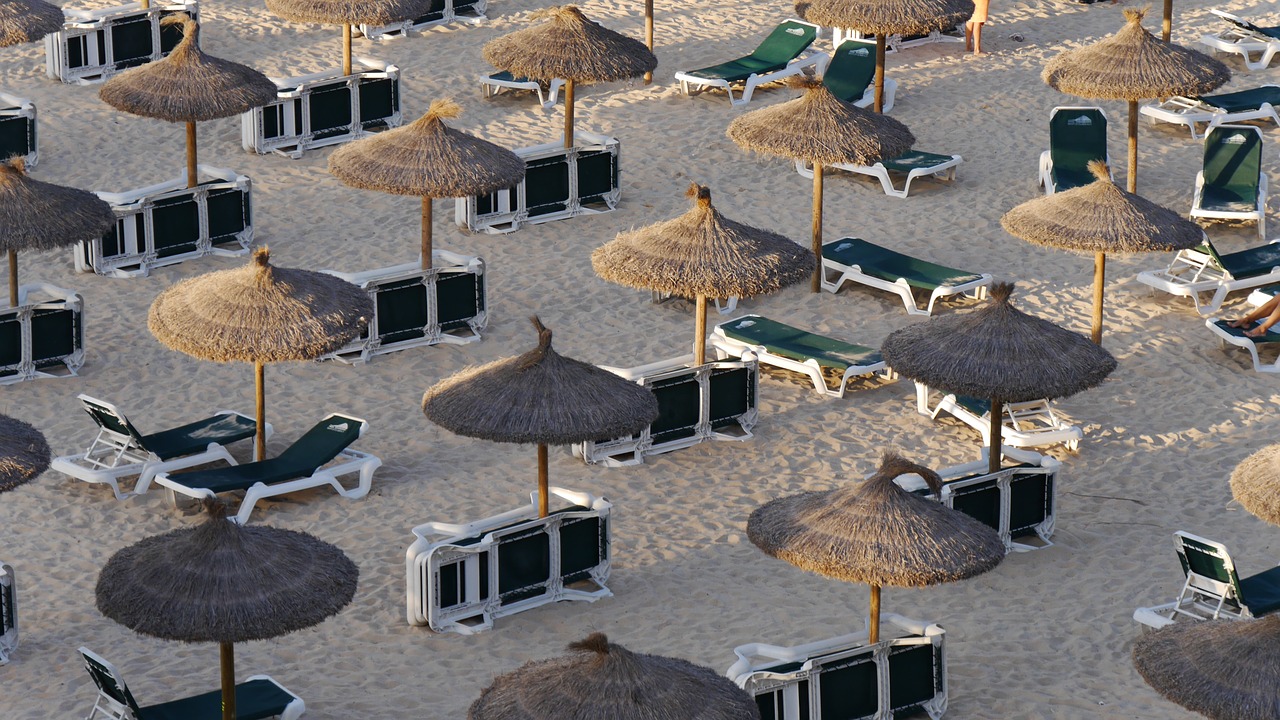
column 1239, row 323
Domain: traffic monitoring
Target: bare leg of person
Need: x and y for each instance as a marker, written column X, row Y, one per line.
column 968, row 36
column 1267, row 309
column 977, row 38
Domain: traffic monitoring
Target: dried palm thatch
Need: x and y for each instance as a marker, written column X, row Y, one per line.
column 24, row 21
column 37, row 215
column 569, row 46
column 887, row 17
column 348, row 12
column 1223, row 669
column 24, row 453
column 1255, row 484
column 605, row 681
column 188, row 85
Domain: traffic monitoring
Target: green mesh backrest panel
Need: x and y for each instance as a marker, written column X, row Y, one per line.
column 323, row 442
column 1244, row 100
column 1076, row 136
column 8, row 608
column 786, row 41
column 1232, row 163
column 524, row 565
column 107, row 418
column 914, row 676
column 110, row 685
column 849, row 688
column 852, row 68
column 1206, row 561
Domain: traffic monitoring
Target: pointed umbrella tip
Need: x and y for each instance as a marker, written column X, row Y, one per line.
column 892, row 465
column 544, row 344
column 1098, row 169
column 215, row 509
column 556, row 12
column 700, row 192
column 262, row 256
column 15, row 164
column 443, row 109
column 803, row 82
column 1135, row 15
column 1000, row 292
column 596, row 642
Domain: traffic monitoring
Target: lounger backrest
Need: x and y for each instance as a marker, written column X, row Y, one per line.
column 8, row 601
column 108, row 680
column 1207, row 564
column 852, row 68
column 323, row 442
column 786, row 42
column 1076, row 136
column 108, row 417
column 1233, row 161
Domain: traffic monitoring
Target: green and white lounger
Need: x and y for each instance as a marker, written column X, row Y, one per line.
column 1213, row 589
column 8, row 613
column 1235, row 336
column 1242, row 38
column 783, row 54
column 850, row 72
column 305, row 464
column 856, row 260
column 494, row 83
column 912, row 164
column 1231, row 184
column 1025, row 424
column 788, row 347
column 1077, row 136
column 1213, row 110
column 1203, row 269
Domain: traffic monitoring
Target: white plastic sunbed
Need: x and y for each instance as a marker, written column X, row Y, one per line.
column 1244, row 38
column 785, row 52
column 1200, row 270
column 1213, row 589
column 859, row 261
column 1025, row 424
column 1236, row 337
column 913, row 164
column 1214, row 110
column 8, row 613
column 496, row 82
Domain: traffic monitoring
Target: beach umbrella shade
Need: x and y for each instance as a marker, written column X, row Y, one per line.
column 540, row 397
column 259, row 313
column 572, row 47
column 1100, row 218
column 702, row 254
column 1255, row 484
column 1132, row 65
column 820, row 128
column 226, row 583
column 875, row 532
column 884, row 18
column 999, row 352
column 24, row 21
column 1223, row 669
column 429, row 159
column 37, row 215
column 24, row 453
column 605, row 681
column 347, row 13
column 188, row 86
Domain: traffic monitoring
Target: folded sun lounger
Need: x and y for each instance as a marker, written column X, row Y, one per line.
column 8, row 613
column 1243, row 38
column 1203, row 269
column 494, row 83
column 1231, row 185
column 1025, row 424
column 855, row 260
column 912, row 164
column 1213, row 110
column 1213, row 589
column 784, row 53
column 1236, row 336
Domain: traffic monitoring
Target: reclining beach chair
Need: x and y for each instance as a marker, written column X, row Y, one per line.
column 912, row 164
column 1213, row 110
column 1236, row 336
column 1025, row 424
column 783, row 54
column 1231, row 184
column 120, row 450
column 1077, row 135
column 855, row 260
column 791, row 348
column 8, row 613
column 305, row 464
column 258, row 697
column 43, row 337
column 1203, row 269
column 850, row 72
column 1243, row 38
column 494, row 83
column 1213, row 589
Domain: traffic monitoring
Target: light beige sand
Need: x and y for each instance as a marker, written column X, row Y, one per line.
column 1047, row 634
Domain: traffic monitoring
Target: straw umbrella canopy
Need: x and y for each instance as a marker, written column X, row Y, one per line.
column 226, row 583
column 429, row 159
column 824, row 130
column 1100, row 218
column 702, row 254
column 605, row 681
column 1255, row 484
column 572, row 47
column 1223, row 669
column 884, row 18
column 875, row 532
column 1133, row 65
column 999, row 352
column 540, row 397
column 24, row 453
column 347, row 13
column 261, row 314
column 37, row 215
column 24, row 21
column 188, row 86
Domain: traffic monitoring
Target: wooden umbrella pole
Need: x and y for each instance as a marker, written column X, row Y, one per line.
column 993, row 452
column 260, row 407
column 568, row 113
column 880, row 40
column 1099, row 280
column 346, row 48
column 228, row 661
column 426, row 233
column 648, row 34
column 544, row 492
column 1133, row 146
column 192, row 180
column 1167, row 28
column 700, row 330
column 13, row 278
column 873, row 616
column 816, row 284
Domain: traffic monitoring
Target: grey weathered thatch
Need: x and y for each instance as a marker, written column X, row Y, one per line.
column 348, row 12
column 539, row 397
column 819, row 127
column 1223, row 669
column 24, row 453
column 875, row 532
column 997, row 351
column 886, row 17
column 37, row 215
column 703, row 253
column 1133, row 65
column 605, row 681
column 24, row 21
column 569, row 46
column 226, row 583
column 1255, row 484
column 428, row 159
column 259, row 313
column 188, row 85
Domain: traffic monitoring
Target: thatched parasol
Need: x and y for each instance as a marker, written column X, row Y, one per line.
column 259, row 313
column 569, row 46
column 605, row 681
column 24, row 453
column 824, row 130
column 1224, row 669
column 539, row 397
column 997, row 351
column 347, row 13
column 24, row 21
column 702, row 254
column 226, row 583
column 188, row 86
column 875, row 532
column 1133, row 65
column 429, row 159
column 1255, row 484
column 38, row 215
column 884, row 18
column 1100, row 218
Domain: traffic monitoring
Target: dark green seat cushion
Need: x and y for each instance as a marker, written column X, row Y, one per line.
column 783, row 45
column 1261, row 592
column 1076, row 136
column 195, row 437
column 1270, row 337
column 977, row 406
column 851, row 70
column 255, row 700
column 307, row 454
column 1246, row 263
column 916, row 160
column 1244, row 100
column 504, row 76
column 796, row 344
column 888, row 265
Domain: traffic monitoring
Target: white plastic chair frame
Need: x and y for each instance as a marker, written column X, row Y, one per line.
column 1191, row 112
column 1025, row 424
column 35, row 298
column 1193, row 273
column 1201, row 598
column 1238, row 39
column 944, row 172
column 8, row 613
column 491, row 87
column 93, row 27
column 810, row 61
column 14, row 107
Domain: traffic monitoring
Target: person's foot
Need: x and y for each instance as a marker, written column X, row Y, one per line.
column 1256, row 332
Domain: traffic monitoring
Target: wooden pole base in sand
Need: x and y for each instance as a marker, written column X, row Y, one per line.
column 880, row 41
column 568, row 113
column 1133, row 146
column 873, row 617
column 192, row 179
column 544, row 492
column 426, row 233
column 648, row 34
column 13, row 278
column 1099, row 280
column 260, row 409
column 816, row 284
column 346, row 49
column 700, row 331
column 993, row 451
column 227, row 660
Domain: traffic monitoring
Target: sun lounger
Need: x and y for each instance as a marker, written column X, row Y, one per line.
column 1213, row 110
column 788, row 347
column 95, row 44
column 1203, row 269
column 1025, row 424
column 317, row 458
column 897, row 42
column 437, row 12
column 8, row 613
column 1244, row 38
column 258, row 697
column 1077, row 135
column 18, row 130
column 850, row 73
column 494, row 83
column 43, row 337
column 1236, row 337
column 912, row 164
column 1213, row 589
column 856, row 260
column 1231, row 184
column 784, row 53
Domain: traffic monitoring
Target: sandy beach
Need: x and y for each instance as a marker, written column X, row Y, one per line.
column 1047, row 634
